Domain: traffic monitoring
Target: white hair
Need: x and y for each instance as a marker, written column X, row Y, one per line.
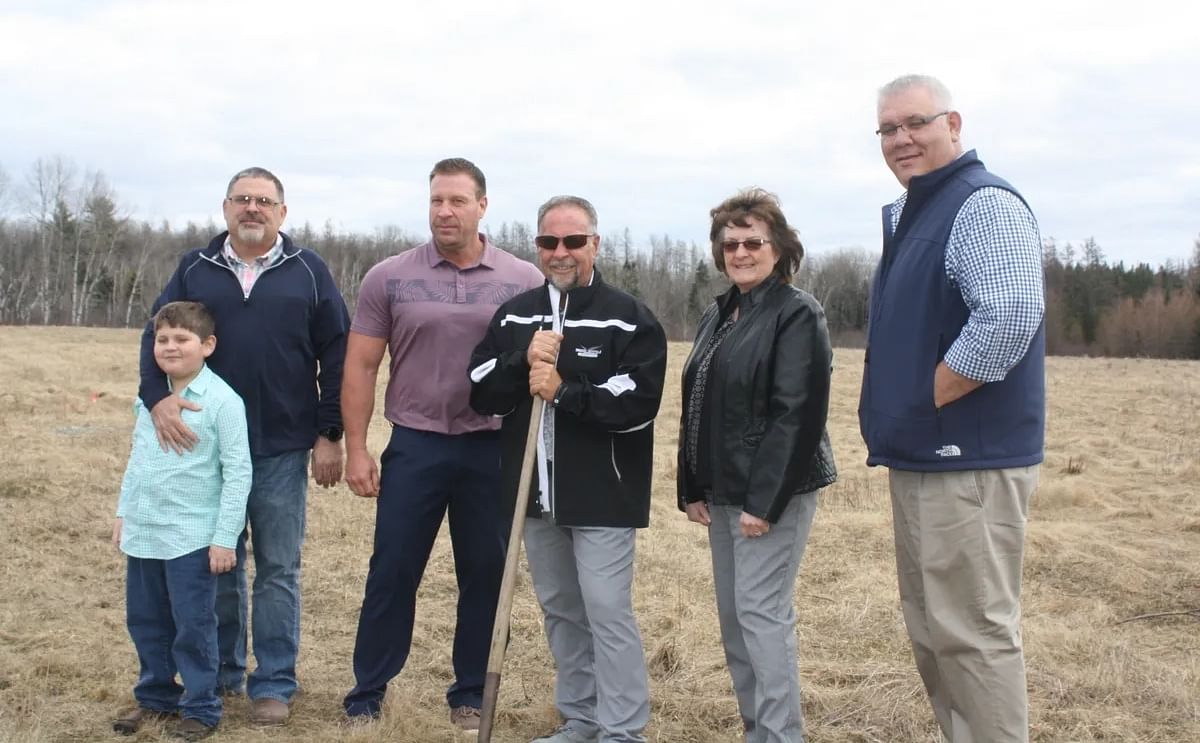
column 577, row 202
column 940, row 93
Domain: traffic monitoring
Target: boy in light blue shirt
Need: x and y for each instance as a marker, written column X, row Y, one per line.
column 178, row 520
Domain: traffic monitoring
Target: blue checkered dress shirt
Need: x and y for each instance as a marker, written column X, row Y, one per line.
column 994, row 257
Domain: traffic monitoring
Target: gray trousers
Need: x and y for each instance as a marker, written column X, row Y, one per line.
column 755, row 581
column 960, row 539
column 583, row 578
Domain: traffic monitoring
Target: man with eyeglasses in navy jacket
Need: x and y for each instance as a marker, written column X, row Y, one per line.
column 282, row 324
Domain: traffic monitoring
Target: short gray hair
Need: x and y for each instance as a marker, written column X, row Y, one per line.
column 255, row 172
column 576, row 201
column 940, row 93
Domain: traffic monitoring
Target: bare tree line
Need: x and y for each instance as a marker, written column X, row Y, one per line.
column 69, row 255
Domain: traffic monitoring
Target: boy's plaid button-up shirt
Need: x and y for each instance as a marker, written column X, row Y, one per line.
column 173, row 504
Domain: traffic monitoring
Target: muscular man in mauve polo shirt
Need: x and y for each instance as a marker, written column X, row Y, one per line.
column 428, row 307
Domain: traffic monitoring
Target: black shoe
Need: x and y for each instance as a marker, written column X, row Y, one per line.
column 358, row 722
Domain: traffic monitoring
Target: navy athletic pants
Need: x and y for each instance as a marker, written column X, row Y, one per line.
column 423, row 476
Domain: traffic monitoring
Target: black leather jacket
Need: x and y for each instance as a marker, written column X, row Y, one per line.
column 768, row 392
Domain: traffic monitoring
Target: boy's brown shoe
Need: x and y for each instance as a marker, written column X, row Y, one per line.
column 131, row 720
column 190, row 728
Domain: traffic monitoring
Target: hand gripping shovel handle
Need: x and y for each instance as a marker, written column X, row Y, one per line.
column 491, row 682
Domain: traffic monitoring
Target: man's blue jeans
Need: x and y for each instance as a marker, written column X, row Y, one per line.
column 170, row 616
column 275, row 511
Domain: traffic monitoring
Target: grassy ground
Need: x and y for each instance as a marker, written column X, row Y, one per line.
column 1114, row 535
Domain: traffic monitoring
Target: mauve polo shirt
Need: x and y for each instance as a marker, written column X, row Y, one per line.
column 433, row 314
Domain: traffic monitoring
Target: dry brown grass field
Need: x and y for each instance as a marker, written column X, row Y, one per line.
column 1114, row 536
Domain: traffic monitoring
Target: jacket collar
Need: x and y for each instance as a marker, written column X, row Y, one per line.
column 580, row 296
column 217, row 245
column 734, row 297
column 922, row 187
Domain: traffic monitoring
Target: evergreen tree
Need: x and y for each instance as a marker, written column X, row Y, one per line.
column 699, row 295
column 629, row 277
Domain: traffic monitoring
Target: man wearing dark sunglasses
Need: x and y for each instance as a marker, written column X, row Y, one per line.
column 597, row 356
column 953, row 404
column 427, row 308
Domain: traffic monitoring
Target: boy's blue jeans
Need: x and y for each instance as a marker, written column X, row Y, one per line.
column 171, row 619
column 275, row 511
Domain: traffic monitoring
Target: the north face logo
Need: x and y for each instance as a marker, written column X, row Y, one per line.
column 949, row 450
column 588, row 352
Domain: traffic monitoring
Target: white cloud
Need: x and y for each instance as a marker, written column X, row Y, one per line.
column 655, row 110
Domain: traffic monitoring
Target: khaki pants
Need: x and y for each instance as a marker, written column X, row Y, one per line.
column 960, row 540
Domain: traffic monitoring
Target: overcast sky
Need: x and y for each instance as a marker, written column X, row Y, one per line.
column 655, row 111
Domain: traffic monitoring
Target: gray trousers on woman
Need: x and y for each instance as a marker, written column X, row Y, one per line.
column 583, row 578
column 755, row 580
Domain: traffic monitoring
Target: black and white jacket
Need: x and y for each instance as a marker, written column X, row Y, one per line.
column 612, row 361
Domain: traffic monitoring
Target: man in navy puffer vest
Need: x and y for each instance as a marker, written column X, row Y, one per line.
column 953, row 404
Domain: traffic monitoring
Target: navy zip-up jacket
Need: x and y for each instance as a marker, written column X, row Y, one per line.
column 916, row 315
column 281, row 349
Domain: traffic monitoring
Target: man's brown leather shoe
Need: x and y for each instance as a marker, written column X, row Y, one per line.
column 268, row 712
column 466, row 718
column 131, row 720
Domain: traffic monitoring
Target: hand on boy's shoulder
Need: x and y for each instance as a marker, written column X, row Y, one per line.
column 221, row 559
column 173, row 434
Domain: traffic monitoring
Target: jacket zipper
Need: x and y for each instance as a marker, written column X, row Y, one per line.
column 560, row 321
column 937, row 412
